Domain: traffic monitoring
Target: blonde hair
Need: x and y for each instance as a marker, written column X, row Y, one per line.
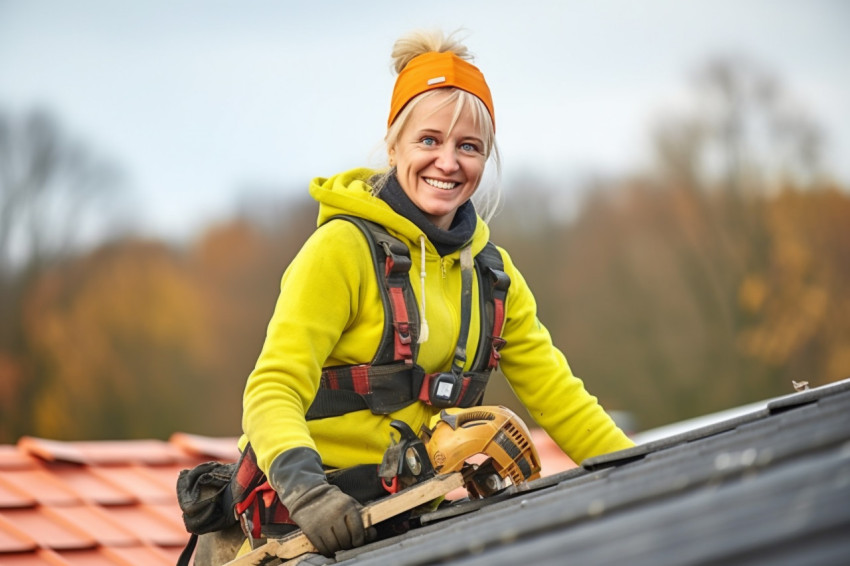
column 404, row 50
column 418, row 42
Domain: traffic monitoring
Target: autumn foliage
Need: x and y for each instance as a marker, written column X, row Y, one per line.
column 672, row 303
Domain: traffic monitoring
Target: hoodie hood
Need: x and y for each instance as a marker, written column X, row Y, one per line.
column 350, row 193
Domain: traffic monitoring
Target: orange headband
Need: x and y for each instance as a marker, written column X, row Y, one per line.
column 438, row 70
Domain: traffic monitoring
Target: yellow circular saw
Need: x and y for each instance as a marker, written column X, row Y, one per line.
column 494, row 433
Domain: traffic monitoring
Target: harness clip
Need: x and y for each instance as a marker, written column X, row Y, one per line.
column 445, row 389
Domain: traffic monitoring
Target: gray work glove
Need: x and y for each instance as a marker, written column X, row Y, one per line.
column 330, row 518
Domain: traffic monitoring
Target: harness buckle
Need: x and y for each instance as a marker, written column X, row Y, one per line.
column 403, row 329
column 501, row 281
column 398, row 258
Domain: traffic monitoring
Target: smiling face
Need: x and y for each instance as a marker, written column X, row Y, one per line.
column 439, row 163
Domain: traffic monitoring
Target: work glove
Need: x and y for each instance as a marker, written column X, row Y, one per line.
column 330, row 518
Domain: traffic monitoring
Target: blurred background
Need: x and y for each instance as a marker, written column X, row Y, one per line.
column 675, row 182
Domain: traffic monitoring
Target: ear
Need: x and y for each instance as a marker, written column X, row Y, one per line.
column 391, row 156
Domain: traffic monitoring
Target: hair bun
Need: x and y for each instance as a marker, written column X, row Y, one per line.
column 418, row 42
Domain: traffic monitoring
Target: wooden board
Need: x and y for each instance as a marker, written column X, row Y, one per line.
column 296, row 544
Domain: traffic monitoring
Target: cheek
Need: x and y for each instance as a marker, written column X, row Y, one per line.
column 406, row 164
column 475, row 171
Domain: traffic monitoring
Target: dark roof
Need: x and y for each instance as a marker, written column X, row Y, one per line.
column 767, row 487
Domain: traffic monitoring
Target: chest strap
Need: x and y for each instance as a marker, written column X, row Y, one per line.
column 393, row 379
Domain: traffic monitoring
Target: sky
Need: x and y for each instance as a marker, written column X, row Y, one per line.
column 204, row 103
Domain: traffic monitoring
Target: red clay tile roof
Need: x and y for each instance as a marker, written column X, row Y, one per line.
column 113, row 502
column 93, row 503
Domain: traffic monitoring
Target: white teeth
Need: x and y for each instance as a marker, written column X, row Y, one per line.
column 440, row 184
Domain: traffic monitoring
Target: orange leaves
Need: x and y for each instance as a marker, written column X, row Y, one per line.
column 673, row 302
column 752, row 294
column 803, row 306
column 112, row 333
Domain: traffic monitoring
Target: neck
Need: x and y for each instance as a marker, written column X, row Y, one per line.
column 448, row 236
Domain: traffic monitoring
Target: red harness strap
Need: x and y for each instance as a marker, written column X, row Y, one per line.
column 401, row 323
column 255, row 500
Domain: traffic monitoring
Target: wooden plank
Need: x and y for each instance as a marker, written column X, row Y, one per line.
column 297, row 543
column 411, row 497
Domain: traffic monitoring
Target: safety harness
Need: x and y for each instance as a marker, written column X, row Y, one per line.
column 393, row 379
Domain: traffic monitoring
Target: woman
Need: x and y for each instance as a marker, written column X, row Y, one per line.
column 330, row 312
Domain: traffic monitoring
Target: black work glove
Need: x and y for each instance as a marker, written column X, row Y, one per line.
column 330, row 518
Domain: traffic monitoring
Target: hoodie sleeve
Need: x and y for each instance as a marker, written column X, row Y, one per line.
column 317, row 302
column 541, row 378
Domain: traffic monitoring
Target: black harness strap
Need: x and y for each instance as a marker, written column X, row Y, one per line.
column 466, row 267
column 383, row 389
column 493, row 285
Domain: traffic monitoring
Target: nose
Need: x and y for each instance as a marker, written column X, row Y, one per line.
column 447, row 159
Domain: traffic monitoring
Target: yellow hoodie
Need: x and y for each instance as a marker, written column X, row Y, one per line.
column 329, row 313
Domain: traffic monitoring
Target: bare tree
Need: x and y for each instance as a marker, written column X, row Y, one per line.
column 49, row 183
column 745, row 131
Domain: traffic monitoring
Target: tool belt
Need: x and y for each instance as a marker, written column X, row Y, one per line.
column 259, row 510
column 215, row 496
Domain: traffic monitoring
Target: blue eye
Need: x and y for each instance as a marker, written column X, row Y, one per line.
column 429, row 141
column 471, row 147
